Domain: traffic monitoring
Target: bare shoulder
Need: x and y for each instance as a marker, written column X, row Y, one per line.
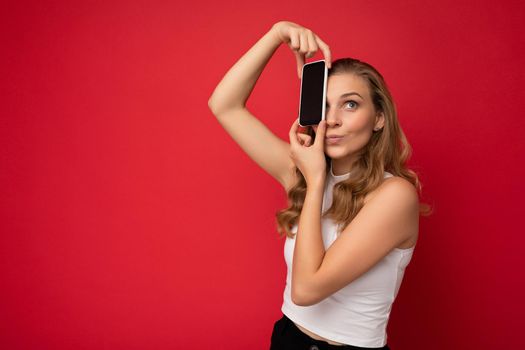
column 396, row 187
column 398, row 182
column 400, row 194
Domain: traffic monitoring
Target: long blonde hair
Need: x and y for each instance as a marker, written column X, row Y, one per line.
column 387, row 150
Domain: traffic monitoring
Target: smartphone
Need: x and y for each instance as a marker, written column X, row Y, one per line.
column 312, row 100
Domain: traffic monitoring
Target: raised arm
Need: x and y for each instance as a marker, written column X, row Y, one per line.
column 228, row 104
column 228, row 101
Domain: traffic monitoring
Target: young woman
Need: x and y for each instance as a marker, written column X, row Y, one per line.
column 353, row 216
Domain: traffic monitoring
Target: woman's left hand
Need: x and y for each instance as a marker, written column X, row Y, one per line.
column 308, row 157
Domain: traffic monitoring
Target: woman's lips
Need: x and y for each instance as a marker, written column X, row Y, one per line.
column 333, row 140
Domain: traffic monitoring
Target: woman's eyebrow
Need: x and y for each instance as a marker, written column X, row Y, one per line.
column 346, row 94
column 350, row 93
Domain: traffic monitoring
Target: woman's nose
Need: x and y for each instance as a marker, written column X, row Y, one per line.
column 331, row 118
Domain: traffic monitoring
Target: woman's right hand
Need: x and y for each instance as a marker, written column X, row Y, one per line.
column 303, row 42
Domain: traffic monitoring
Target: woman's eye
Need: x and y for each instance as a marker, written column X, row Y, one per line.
column 349, row 101
column 355, row 103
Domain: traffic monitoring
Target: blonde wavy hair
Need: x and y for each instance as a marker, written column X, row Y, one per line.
column 387, row 150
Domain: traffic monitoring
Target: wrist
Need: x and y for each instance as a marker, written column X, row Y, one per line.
column 274, row 34
column 316, row 184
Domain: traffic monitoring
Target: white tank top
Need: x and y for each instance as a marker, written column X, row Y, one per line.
column 358, row 313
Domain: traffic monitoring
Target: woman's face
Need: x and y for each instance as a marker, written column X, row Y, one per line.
column 351, row 116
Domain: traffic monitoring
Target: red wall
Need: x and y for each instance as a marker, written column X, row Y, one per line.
column 131, row 220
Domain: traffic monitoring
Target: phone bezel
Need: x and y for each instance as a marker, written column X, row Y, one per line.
column 323, row 117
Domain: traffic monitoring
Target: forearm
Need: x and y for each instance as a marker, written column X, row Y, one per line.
column 309, row 248
column 236, row 86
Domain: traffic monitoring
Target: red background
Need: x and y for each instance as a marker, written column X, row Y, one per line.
column 131, row 220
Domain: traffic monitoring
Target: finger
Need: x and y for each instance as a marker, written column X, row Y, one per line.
column 306, row 140
column 304, row 43
column 326, row 51
column 300, row 63
column 294, row 40
column 300, row 54
column 312, row 45
column 320, row 134
column 293, row 133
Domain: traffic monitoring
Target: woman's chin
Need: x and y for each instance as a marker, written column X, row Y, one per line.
column 334, row 153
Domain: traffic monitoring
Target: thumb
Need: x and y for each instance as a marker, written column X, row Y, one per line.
column 321, row 132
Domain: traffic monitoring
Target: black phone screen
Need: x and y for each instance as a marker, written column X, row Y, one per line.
column 313, row 93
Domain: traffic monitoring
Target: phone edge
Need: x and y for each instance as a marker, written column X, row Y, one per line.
column 323, row 117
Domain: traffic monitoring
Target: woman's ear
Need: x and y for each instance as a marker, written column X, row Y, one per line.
column 380, row 121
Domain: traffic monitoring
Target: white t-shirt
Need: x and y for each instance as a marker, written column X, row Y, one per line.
column 358, row 313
